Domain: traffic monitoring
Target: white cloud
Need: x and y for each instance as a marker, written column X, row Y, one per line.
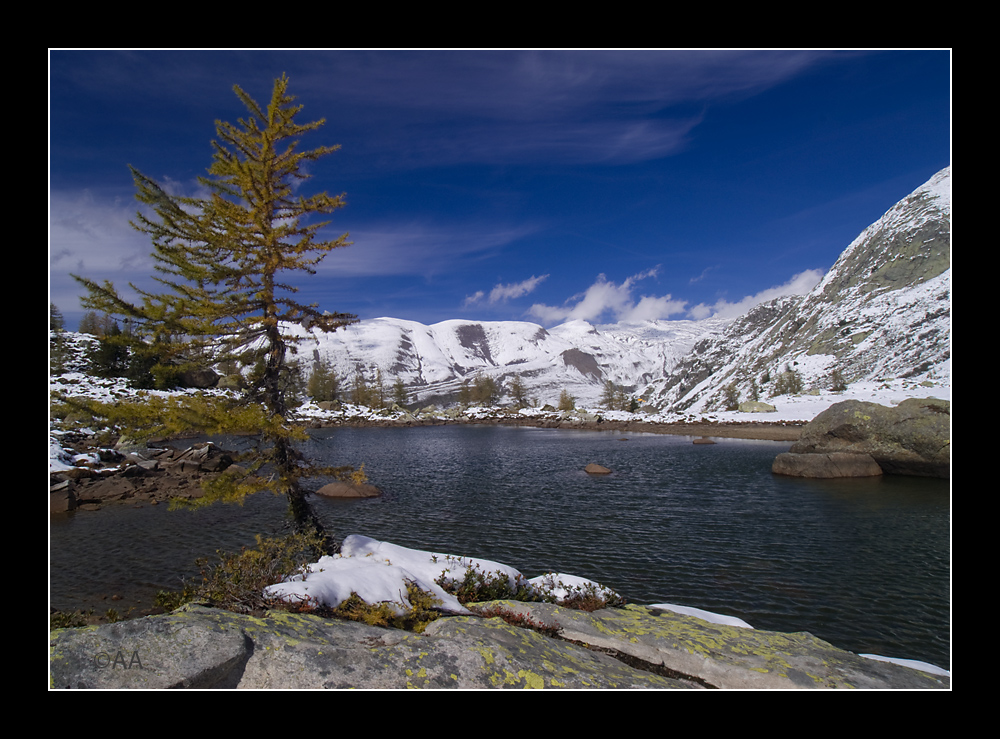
column 604, row 299
column 800, row 284
column 474, row 298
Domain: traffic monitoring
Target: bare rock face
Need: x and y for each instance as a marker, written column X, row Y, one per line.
column 596, row 469
column 913, row 438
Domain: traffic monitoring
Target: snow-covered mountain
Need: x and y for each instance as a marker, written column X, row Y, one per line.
column 433, row 361
column 882, row 311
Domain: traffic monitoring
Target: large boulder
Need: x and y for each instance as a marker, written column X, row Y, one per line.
column 631, row 647
column 201, row 377
column 756, row 406
column 912, row 438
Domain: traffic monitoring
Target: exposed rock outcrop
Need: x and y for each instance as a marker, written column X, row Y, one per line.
column 912, row 438
column 631, row 647
column 137, row 474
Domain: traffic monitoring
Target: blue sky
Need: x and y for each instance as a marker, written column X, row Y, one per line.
column 537, row 185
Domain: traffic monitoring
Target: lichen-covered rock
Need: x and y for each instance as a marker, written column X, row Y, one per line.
column 200, row 647
column 632, row 647
column 756, row 406
column 912, row 438
column 723, row 656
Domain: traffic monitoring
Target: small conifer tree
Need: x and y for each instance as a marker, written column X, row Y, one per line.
column 465, row 394
column 399, row 394
column 58, row 349
column 323, row 382
column 518, row 391
column 566, row 401
column 731, row 397
column 485, row 390
column 222, row 265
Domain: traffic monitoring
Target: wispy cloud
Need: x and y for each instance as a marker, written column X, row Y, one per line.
column 566, row 106
column 421, row 248
column 503, row 293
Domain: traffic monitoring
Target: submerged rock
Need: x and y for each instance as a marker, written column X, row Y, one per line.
column 344, row 489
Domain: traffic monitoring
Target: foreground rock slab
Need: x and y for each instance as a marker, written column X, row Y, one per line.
column 721, row 656
column 197, row 647
column 634, row 647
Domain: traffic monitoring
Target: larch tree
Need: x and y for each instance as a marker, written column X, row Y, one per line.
column 223, row 263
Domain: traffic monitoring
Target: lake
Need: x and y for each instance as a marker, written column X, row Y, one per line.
column 863, row 564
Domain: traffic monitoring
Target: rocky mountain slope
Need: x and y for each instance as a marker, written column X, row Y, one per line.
column 882, row 311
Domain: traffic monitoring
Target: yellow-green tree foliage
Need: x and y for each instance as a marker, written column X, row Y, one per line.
column 222, row 266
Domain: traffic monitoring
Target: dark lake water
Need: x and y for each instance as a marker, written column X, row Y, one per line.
column 863, row 564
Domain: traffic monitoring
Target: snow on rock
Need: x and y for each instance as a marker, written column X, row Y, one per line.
column 378, row 572
column 715, row 618
column 913, row 663
column 561, row 586
column 332, row 580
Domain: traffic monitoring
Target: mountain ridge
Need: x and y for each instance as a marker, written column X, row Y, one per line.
column 882, row 310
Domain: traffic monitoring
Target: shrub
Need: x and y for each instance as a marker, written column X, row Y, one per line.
column 478, row 586
column 521, row 620
column 788, row 382
column 237, row 582
column 422, row 611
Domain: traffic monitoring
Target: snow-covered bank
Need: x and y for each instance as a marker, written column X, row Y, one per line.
column 378, row 572
column 788, row 408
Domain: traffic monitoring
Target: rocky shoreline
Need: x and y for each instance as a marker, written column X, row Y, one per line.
column 153, row 475
column 760, row 430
